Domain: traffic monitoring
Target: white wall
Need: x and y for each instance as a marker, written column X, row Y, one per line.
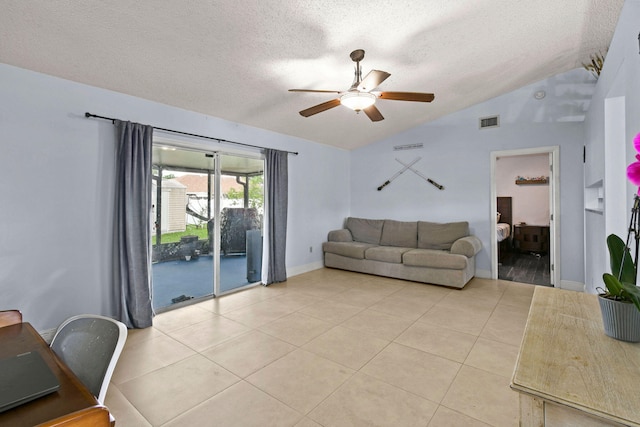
column 55, row 256
column 619, row 78
column 530, row 203
column 457, row 155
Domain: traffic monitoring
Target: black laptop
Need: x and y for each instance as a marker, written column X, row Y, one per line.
column 23, row 378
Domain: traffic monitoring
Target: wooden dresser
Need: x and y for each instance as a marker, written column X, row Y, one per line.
column 568, row 371
column 531, row 238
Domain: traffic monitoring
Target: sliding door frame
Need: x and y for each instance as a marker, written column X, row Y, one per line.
column 216, row 173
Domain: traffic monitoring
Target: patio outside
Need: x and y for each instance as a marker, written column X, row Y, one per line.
column 184, row 226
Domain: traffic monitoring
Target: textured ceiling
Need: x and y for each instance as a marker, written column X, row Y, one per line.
column 236, row 59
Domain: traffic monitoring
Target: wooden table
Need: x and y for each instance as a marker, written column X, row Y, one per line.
column 73, row 404
column 568, row 371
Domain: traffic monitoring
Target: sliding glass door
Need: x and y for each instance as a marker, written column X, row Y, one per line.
column 207, row 219
column 241, row 213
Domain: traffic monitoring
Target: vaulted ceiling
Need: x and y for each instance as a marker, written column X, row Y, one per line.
column 237, row 59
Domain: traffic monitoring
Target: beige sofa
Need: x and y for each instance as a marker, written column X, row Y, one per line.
column 420, row 251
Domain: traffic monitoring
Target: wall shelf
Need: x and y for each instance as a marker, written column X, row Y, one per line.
column 594, row 197
column 532, row 181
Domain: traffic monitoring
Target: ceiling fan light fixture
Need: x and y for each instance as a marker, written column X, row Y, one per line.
column 358, row 100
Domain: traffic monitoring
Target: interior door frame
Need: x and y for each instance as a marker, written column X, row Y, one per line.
column 554, row 207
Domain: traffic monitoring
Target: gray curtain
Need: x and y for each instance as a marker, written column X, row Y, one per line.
column 132, row 246
column 277, row 201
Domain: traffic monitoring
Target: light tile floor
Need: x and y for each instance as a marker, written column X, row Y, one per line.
column 329, row 348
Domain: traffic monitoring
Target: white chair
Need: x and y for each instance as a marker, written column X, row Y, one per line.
column 91, row 345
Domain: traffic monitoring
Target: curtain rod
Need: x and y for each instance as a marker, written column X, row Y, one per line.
column 89, row 115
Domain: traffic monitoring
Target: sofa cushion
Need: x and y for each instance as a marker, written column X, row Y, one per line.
column 365, row 230
column 386, row 253
column 342, row 235
column 399, row 233
column 348, row 249
column 433, row 235
column 434, row 258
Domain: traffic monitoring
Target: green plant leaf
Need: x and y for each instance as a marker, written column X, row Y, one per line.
column 624, row 291
column 618, row 251
column 631, row 293
column 614, row 287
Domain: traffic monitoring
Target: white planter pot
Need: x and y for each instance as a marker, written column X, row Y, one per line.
column 621, row 319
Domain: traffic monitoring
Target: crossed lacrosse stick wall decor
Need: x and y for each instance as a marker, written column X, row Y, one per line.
column 408, row 166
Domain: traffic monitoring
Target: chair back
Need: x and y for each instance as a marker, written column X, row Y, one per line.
column 91, row 345
column 10, row 317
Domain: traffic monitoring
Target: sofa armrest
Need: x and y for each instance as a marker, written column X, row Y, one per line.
column 468, row 246
column 343, row 235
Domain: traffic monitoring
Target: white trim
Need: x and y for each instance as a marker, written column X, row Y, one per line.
column 301, row 269
column 483, row 274
column 572, row 286
column 231, row 291
column 554, row 190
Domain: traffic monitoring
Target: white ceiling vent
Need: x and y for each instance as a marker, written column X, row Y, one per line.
column 489, row 122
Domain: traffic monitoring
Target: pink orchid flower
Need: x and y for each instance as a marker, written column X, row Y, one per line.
column 633, row 173
column 633, row 170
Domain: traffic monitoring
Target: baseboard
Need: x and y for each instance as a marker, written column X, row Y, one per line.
column 572, row 286
column 301, row 269
column 483, row 274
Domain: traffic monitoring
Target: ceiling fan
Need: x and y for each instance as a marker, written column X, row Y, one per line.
column 360, row 96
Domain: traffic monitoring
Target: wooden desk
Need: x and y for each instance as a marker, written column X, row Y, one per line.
column 568, row 371
column 73, row 404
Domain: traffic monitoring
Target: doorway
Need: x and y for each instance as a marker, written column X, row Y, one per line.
column 524, row 185
column 207, row 218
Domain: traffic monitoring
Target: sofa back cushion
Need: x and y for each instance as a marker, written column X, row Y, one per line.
column 400, row 234
column 432, row 235
column 365, row 230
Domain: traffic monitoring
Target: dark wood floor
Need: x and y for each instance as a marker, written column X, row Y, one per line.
column 526, row 268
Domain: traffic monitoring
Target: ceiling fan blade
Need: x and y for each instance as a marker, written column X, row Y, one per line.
column 373, row 113
column 314, row 90
column 320, row 108
column 372, row 80
column 407, row 96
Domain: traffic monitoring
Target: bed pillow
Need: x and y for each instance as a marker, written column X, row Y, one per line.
column 498, row 217
column 433, row 235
